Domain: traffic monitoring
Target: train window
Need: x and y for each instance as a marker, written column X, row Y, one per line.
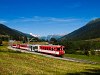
column 48, row 48
column 58, row 49
column 62, row 48
column 35, row 47
column 45, row 48
column 52, row 49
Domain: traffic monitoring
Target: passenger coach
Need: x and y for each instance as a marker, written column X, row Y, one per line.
column 49, row 49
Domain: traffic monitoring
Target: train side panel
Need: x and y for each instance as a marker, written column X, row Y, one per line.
column 49, row 49
column 55, row 50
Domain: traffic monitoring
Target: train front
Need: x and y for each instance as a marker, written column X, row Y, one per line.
column 61, row 51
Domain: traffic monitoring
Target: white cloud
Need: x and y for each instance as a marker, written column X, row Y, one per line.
column 45, row 19
column 64, row 20
column 3, row 21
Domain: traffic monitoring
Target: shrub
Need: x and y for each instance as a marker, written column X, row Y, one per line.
column 0, row 42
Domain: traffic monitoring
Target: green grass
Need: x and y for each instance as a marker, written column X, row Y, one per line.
column 84, row 57
column 17, row 63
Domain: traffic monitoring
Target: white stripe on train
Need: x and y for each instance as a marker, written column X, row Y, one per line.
column 48, row 51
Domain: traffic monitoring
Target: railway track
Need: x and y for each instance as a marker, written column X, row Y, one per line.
column 61, row 58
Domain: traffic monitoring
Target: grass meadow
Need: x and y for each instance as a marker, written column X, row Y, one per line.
column 92, row 58
column 17, row 63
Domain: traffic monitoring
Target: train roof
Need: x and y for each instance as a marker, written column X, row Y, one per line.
column 53, row 45
column 43, row 45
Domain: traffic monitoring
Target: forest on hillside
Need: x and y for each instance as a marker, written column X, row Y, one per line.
column 81, row 47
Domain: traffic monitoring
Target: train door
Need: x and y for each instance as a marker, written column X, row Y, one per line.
column 31, row 48
column 35, row 48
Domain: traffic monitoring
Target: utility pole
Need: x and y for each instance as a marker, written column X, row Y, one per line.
column 28, row 40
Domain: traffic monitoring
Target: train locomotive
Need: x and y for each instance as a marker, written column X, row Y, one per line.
column 57, row 50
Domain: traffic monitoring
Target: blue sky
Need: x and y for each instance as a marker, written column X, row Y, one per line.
column 45, row 17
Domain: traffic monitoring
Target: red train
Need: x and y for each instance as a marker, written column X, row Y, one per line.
column 49, row 49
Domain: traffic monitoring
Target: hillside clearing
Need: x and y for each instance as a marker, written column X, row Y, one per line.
column 17, row 63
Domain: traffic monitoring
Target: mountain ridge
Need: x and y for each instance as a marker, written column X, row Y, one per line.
column 12, row 33
column 89, row 31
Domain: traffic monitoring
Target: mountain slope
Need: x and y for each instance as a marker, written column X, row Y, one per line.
column 14, row 34
column 90, row 31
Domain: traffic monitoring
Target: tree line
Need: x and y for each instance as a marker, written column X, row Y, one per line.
column 83, row 47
